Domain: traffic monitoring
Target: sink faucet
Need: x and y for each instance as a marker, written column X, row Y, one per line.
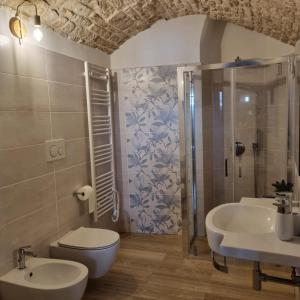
column 283, row 203
column 22, row 252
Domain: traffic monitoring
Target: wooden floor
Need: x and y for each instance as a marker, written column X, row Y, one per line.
column 152, row 267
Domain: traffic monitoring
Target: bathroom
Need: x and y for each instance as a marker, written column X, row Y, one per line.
column 203, row 112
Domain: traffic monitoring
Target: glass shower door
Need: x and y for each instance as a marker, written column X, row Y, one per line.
column 217, row 138
column 189, row 154
column 209, row 140
column 261, row 129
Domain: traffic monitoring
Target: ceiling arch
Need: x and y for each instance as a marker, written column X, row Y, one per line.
column 107, row 24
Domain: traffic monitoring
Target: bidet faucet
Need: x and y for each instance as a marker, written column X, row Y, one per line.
column 21, row 256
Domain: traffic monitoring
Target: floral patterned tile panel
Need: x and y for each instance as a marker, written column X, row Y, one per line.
column 149, row 101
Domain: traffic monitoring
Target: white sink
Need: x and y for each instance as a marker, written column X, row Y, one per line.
column 237, row 218
column 243, row 218
column 45, row 279
column 245, row 230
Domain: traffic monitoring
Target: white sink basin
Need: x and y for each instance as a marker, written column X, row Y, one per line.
column 243, row 218
column 245, row 230
column 236, row 218
column 45, row 279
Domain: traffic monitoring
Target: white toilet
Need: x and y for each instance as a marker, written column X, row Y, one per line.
column 96, row 248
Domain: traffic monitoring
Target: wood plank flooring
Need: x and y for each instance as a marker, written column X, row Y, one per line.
column 152, row 267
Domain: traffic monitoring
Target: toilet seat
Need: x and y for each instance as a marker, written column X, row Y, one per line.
column 89, row 239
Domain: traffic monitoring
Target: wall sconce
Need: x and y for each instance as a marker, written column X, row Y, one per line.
column 17, row 27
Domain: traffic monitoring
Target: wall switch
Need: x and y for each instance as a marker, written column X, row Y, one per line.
column 55, row 149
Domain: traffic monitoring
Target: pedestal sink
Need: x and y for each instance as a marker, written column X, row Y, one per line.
column 45, row 279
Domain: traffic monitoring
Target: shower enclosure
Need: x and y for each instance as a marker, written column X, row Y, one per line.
column 239, row 134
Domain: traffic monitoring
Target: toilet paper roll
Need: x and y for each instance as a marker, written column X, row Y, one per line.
column 87, row 193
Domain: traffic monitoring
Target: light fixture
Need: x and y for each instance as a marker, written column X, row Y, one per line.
column 37, row 32
column 17, row 27
column 246, row 99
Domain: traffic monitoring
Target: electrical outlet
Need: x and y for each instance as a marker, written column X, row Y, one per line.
column 55, row 149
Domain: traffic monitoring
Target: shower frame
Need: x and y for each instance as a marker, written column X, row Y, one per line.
column 187, row 71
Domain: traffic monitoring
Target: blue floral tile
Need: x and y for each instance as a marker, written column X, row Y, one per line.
column 150, row 104
column 155, row 214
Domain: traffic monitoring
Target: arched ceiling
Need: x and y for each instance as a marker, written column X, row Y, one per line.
column 107, row 24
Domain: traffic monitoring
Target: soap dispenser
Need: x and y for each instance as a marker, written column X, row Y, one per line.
column 284, row 227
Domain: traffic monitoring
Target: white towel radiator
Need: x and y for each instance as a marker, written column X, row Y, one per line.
column 99, row 109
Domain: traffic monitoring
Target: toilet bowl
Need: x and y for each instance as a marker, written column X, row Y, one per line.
column 95, row 248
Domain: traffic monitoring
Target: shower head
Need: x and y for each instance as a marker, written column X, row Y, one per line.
column 242, row 63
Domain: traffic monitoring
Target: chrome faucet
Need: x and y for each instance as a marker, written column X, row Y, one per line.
column 21, row 256
column 283, row 203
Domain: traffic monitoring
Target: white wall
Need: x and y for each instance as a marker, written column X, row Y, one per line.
column 238, row 41
column 176, row 41
column 54, row 42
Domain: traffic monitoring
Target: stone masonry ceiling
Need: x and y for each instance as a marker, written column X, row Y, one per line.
column 107, row 24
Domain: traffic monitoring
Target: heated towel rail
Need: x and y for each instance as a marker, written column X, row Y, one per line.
column 99, row 109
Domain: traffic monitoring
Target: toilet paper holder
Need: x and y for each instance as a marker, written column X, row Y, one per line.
column 75, row 194
column 86, row 193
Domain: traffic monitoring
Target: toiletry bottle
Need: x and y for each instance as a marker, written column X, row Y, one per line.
column 284, row 227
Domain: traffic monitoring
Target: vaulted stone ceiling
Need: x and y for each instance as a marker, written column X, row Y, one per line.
column 107, row 24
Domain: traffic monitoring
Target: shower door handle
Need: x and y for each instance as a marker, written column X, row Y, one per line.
column 226, row 167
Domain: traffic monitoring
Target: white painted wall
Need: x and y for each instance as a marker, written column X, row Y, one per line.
column 176, row 41
column 54, row 42
column 238, row 41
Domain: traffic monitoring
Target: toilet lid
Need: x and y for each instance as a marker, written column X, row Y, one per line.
column 89, row 238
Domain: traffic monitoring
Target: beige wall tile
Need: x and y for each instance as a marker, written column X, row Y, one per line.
column 273, row 155
column 62, row 68
column 67, row 97
column 246, row 135
column 23, row 198
column 279, row 95
column 38, row 229
column 23, row 93
column 275, row 139
column 250, row 75
column 69, row 125
column 23, row 128
column 36, row 204
column 23, row 163
column 105, row 222
column 69, row 180
column 77, row 152
column 273, row 116
column 245, row 116
column 27, row 60
column 220, row 181
column 72, row 214
column 247, row 177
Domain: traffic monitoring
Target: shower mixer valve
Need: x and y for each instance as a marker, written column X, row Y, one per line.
column 239, row 151
column 239, row 148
